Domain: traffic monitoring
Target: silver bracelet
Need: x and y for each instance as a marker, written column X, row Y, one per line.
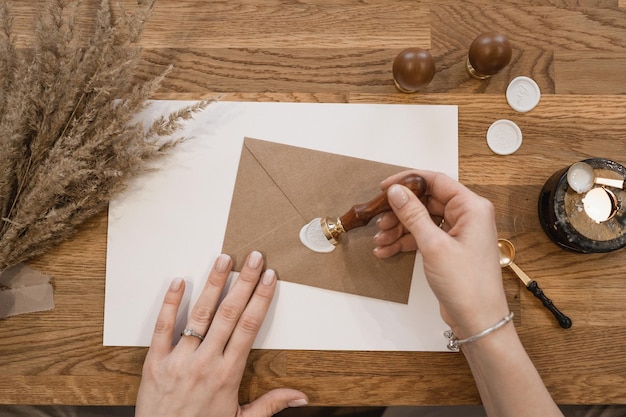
column 454, row 343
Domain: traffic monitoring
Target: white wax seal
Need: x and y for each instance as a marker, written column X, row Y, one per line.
column 504, row 137
column 312, row 236
column 523, row 94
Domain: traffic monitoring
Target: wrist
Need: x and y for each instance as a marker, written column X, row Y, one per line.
column 475, row 320
column 455, row 342
column 493, row 345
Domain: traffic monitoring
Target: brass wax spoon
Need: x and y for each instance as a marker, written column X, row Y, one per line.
column 506, row 251
column 581, row 178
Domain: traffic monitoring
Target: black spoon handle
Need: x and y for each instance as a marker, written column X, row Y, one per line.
column 563, row 320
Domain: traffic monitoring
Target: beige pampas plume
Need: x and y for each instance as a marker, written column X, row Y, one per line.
column 68, row 140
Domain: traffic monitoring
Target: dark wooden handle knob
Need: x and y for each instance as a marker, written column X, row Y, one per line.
column 564, row 321
column 490, row 53
column 413, row 68
column 362, row 214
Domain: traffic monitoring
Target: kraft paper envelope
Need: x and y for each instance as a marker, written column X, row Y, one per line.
column 279, row 188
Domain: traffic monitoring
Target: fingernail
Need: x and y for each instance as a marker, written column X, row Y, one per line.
column 176, row 284
column 222, row 263
column 298, row 403
column 397, row 196
column 254, row 259
column 268, row 277
column 377, row 235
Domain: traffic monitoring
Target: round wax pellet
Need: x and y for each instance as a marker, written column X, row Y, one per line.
column 504, row 137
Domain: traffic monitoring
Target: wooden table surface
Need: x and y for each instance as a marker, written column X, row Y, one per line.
column 341, row 51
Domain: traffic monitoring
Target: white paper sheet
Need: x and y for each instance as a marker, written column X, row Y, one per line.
column 171, row 222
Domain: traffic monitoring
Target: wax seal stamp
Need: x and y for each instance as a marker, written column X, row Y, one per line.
column 323, row 234
column 488, row 55
column 413, row 69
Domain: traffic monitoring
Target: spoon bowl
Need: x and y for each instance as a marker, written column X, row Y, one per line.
column 506, row 250
column 580, row 177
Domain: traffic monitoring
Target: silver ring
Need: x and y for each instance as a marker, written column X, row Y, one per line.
column 192, row 332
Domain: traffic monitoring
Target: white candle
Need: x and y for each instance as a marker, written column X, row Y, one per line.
column 599, row 204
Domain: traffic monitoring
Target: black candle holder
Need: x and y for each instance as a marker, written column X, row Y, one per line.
column 564, row 220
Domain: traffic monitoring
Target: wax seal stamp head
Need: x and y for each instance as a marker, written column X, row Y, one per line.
column 332, row 229
column 488, row 55
column 413, row 69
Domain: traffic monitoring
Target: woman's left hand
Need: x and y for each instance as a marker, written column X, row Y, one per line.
column 200, row 377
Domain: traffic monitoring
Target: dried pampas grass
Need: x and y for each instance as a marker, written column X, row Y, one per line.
column 68, row 142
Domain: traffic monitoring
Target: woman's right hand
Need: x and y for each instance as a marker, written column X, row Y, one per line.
column 460, row 254
column 462, row 267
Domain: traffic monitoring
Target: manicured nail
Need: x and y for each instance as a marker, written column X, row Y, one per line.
column 222, row 263
column 268, row 277
column 176, row 284
column 254, row 259
column 397, row 196
column 377, row 235
column 298, row 403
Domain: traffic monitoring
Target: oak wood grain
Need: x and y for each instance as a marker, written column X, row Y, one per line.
column 341, row 51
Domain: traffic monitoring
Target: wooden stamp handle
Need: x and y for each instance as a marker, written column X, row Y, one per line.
column 362, row 214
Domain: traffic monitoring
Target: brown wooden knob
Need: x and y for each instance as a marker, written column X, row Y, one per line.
column 488, row 55
column 413, row 69
column 361, row 214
